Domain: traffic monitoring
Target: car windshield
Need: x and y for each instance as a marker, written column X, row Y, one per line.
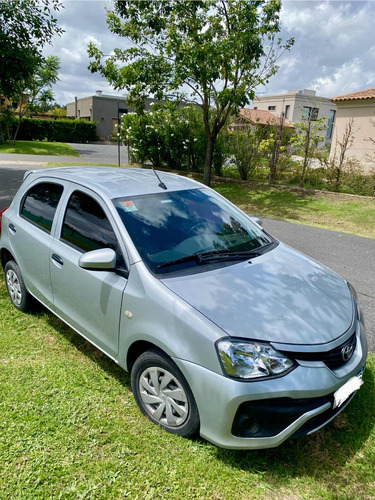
column 172, row 229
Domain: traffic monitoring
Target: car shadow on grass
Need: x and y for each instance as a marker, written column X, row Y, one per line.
column 88, row 349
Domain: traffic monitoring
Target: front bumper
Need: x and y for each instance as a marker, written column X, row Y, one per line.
column 303, row 397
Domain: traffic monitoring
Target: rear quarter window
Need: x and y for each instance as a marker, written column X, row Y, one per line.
column 40, row 204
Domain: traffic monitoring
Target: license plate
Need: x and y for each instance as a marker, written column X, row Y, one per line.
column 342, row 394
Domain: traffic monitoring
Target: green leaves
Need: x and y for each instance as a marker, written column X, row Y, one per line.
column 25, row 27
column 214, row 53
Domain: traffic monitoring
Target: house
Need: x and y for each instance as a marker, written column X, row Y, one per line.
column 360, row 107
column 105, row 110
column 297, row 105
column 247, row 117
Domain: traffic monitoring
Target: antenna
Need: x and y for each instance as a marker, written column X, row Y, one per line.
column 161, row 183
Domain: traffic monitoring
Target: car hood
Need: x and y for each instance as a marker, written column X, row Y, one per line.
column 281, row 296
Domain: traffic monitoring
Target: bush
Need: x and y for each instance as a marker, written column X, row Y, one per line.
column 61, row 130
column 171, row 136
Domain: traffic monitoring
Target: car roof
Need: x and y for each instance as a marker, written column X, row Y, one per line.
column 116, row 182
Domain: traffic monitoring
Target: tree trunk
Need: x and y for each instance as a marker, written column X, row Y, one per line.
column 306, row 157
column 208, row 160
column 272, row 173
column 304, row 168
column 16, row 132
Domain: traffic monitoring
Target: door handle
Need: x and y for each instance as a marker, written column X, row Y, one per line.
column 57, row 259
column 12, row 228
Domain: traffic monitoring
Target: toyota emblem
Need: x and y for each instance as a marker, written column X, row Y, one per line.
column 347, row 351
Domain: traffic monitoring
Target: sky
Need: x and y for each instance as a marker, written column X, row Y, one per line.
column 334, row 50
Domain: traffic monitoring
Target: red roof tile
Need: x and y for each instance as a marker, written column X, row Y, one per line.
column 361, row 94
column 261, row 117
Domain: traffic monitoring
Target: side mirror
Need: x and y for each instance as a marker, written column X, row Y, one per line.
column 102, row 259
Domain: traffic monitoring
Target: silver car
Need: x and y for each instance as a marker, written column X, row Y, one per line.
column 226, row 331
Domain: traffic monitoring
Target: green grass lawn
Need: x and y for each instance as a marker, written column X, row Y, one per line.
column 351, row 214
column 69, row 428
column 338, row 212
column 39, row 148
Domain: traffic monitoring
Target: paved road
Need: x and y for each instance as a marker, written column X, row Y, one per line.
column 350, row 256
column 94, row 153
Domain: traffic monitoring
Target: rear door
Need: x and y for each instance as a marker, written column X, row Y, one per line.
column 90, row 301
column 30, row 234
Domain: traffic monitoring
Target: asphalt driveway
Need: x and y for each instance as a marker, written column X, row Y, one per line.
column 350, row 256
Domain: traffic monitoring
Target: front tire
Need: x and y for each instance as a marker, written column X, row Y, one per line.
column 19, row 296
column 163, row 394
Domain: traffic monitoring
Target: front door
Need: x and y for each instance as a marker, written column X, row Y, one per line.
column 90, row 301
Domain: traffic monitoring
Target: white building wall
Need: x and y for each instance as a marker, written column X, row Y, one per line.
column 292, row 104
column 362, row 150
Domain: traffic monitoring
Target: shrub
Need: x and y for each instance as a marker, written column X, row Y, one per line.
column 60, row 130
column 171, row 136
column 245, row 147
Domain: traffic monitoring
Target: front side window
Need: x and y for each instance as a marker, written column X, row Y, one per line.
column 170, row 226
column 86, row 227
column 40, row 204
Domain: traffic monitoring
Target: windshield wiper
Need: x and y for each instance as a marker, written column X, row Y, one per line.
column 195, row 256
column 213, row 255
column 227, row 255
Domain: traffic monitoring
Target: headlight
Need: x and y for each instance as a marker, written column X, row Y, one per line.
column 250, row 360
column 355, row 297
column 352, row 291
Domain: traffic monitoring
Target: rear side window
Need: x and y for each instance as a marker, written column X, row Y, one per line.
column 86, row 226
column 40, row 203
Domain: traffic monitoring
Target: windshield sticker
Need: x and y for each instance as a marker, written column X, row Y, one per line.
column 166, row 201
column 129, row 206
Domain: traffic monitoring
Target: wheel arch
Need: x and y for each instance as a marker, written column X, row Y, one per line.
column 5, row 256
column 136, row 349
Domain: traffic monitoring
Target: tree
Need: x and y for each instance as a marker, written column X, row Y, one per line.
column 214, row 53
column 245, row 145
column 307, row 138
column 277, row 148
column 338, row 157
column 56, row 110
column 36, row 92
column 26, row 26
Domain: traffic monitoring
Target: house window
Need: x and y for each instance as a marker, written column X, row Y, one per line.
column 287, row 108
column 331, row 121
column 271, row 108
column 309, row 113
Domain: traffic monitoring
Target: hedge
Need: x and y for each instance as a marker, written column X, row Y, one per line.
column 61, row 130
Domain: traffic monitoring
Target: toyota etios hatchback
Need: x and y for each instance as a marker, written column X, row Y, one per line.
column 225, row 330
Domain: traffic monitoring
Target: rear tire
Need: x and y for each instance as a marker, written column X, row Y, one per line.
column 19, row 296
column 163, row 394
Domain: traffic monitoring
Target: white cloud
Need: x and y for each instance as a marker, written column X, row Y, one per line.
column 334, row 48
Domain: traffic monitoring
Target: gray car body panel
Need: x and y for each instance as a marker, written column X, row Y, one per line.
column 282, row 297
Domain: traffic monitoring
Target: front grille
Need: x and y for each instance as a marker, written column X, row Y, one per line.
column 333, row 358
